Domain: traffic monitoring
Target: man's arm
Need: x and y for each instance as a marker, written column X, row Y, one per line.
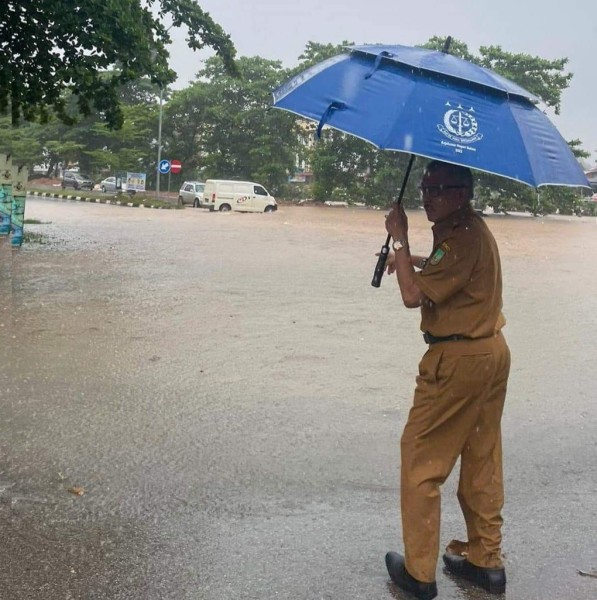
column 397, row 227
column 412, row 296
column 418, row 262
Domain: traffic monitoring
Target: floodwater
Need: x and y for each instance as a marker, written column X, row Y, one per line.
column 208, row 406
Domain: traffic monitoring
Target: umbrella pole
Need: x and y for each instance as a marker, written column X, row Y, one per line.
column 385, row 249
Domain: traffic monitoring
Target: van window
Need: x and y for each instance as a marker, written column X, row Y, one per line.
column 260, row 191
column 199, row 187
column 188, row 187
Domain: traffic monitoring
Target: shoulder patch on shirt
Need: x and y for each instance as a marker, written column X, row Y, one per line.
column 441, row 251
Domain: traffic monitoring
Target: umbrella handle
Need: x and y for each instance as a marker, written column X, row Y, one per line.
column 381, row 264
column 385, row 249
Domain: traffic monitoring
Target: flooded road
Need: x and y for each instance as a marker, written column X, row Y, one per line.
column 208, row 406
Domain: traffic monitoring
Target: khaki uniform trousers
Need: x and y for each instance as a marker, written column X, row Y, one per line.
column 457, row 410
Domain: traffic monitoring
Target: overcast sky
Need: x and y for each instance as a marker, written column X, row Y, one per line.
column 551, row 29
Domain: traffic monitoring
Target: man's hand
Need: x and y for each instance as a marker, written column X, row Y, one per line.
column 416, row 261
column 390, row 262
column 397, row 223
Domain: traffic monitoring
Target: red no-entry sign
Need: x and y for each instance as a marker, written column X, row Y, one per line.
column 175, row 166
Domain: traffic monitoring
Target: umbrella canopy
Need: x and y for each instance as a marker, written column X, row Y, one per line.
column 434, row 105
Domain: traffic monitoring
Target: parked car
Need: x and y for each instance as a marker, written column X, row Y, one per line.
column 191, row 192
column 242, row 196
column 76, row 180
column 108, row 185
column 113, row 184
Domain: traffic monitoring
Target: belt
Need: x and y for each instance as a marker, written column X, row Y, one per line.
column 433, row 339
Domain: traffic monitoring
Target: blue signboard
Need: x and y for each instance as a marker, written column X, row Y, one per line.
column 164, row 167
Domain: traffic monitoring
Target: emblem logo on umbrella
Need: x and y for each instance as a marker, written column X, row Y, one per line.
column 460, row 126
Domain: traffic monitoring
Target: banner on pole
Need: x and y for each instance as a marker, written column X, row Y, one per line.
column 135, row 182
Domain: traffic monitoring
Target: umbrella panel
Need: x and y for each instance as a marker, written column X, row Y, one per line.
column 437, row 116
column 445, row 64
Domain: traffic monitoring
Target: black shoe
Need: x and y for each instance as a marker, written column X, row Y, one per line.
column 492, row 580
column 406, row 582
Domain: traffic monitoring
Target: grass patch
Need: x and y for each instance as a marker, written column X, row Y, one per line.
column 147, row 199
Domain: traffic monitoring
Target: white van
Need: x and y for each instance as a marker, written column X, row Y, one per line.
column 242, row 196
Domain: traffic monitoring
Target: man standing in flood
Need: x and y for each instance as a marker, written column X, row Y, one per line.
column 460, row 390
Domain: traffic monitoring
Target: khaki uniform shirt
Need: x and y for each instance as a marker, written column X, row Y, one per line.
column 462, row 279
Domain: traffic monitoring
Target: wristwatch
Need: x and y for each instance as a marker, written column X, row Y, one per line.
column 398, row 245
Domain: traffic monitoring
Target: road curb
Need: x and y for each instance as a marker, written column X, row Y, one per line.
column 71, row 198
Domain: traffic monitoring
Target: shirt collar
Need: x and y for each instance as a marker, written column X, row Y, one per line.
column 443, row 229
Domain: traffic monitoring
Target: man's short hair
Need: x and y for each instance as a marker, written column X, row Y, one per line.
column 462, row 175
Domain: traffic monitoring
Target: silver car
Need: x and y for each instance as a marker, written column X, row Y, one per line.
column 108, row 185
column 112, row 184
column 191, row 192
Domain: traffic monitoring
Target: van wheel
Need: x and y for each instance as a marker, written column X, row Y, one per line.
column 268, row 209
column 103, row 189
column 225, row 208
column 196, row 203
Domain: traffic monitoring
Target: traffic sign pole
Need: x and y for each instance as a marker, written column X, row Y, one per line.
column 163, row 169
column 157, row 186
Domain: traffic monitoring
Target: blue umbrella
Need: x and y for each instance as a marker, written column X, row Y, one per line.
column 435, row 105
column 432, row 104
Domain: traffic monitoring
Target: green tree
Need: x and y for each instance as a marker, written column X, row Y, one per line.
column 24, row 142
column 49, row 46
column 222, row 128
column 90, row 143
column 185, row 127
column 315, row 52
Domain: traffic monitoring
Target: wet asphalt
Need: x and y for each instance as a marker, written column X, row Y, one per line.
column 208, row 407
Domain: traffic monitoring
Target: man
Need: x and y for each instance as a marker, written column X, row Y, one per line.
column 460, row 390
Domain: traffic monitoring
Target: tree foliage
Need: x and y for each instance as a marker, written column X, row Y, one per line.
column 49, row 46
column 220, row 125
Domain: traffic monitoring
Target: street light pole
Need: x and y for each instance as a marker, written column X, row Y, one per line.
column 157, row 187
